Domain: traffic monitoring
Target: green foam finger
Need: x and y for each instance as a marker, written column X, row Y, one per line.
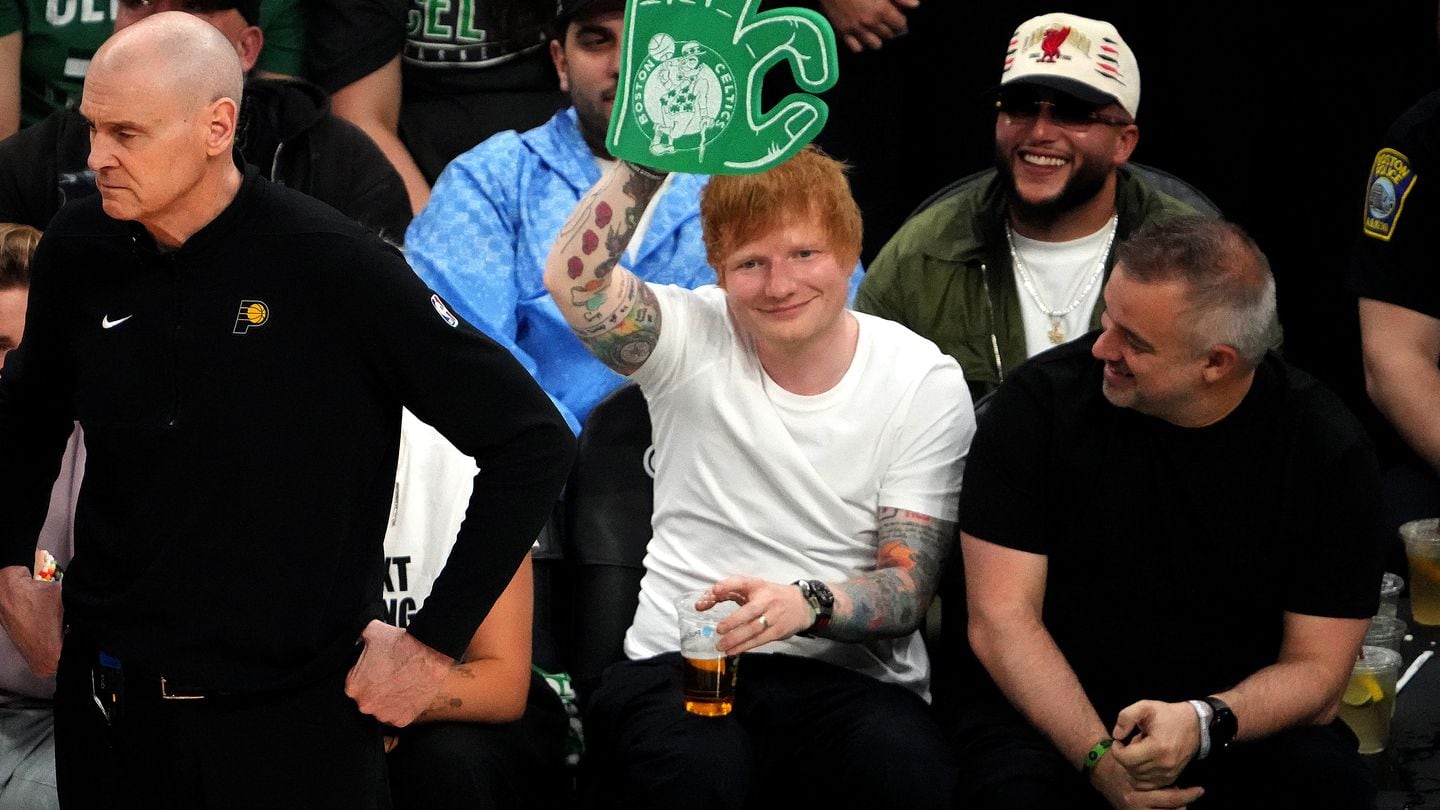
column 691, row 75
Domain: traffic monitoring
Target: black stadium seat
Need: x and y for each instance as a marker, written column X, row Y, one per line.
column 608, row 506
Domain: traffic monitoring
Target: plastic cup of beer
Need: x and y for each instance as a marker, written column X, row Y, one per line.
column 1422, row 549
column 1390, row 587
column 708, row 675
column 1369, row 700
column 1385, row 631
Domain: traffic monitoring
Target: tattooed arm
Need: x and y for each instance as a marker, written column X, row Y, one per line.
column 612, row 311
column 889, row 601
column 892, row 599
column 492, row 681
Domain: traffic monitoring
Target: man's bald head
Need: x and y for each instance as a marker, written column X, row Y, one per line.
column 163, row 101
column 177, row 53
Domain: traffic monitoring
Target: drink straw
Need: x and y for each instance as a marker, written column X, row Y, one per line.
column 1414, row 667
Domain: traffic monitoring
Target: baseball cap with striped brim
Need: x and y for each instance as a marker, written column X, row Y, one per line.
column 1074, row 55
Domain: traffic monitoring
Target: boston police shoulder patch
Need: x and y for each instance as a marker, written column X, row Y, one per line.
column 1391, row 180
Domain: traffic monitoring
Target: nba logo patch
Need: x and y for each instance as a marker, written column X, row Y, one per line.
column 443, row 310
column 252, row 313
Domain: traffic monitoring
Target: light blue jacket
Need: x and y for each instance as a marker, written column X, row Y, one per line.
column 493, row 215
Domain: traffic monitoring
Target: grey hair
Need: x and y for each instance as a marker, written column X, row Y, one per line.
column 1230, row 288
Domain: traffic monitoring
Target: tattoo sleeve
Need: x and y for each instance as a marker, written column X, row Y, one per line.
column 892, row 599
column 613, row 312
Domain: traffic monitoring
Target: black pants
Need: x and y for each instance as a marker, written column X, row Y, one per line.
column 1006, row 764
column 483, row 766
column 802, row 731
column 308, row 747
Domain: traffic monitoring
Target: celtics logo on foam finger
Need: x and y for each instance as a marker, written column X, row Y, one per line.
column 690, row 80
column 688, row 96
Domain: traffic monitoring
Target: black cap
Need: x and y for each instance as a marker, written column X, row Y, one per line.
column 570, row 9
column 249, row 9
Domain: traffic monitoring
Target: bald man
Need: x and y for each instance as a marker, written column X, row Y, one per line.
column 238, row 356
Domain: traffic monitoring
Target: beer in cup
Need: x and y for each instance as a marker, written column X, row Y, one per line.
column 1422, row 549
column 708, row 675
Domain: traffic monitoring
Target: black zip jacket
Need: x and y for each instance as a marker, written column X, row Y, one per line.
column 241, row 404
column 286, row 130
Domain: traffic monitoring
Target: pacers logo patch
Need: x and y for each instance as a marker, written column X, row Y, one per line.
column 1391, row 179
column 252, row 313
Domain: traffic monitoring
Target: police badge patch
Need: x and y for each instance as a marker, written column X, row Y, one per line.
column 1391, row 179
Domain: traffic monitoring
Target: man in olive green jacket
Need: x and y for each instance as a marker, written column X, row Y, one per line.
column 1011, row 262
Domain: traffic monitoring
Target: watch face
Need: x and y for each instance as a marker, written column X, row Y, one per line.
column 822, row 594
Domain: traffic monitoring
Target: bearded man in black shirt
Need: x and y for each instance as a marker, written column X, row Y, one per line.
column 238, row 355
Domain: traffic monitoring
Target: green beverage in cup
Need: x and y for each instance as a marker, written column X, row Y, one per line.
column 1369, row 700
column 1422, row 549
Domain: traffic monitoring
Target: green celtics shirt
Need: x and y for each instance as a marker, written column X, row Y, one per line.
column 60, row 36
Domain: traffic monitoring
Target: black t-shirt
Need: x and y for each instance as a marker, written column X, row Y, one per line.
column 1394, row 259
column 470, row 69
column 1173, row 552
column 1394, row 256
column 447, row 47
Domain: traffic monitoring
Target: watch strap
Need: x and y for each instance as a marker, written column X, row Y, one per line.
column 1223, row 725
column 822, row 603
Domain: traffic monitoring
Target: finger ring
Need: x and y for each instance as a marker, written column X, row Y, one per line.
column 764, row 623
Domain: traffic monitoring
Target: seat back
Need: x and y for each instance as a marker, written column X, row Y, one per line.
column 608, row 507
column 550, row 627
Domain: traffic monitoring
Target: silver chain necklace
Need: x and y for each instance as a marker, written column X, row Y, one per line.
column 1056, row 316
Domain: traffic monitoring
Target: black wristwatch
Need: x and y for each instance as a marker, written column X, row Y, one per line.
column 1222, row 725
column 821, row 600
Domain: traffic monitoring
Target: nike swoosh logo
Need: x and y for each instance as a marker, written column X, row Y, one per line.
column 106, row 323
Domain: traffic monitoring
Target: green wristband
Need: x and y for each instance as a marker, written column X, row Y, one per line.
column 1096, row 754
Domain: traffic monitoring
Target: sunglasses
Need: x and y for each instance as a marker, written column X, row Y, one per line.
column 1067, row 112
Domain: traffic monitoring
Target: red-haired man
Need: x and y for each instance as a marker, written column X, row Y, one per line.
column 807, row 464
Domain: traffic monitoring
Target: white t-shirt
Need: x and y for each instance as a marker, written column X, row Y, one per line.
column 433, row 482
column 1060, row 271
column 754, row 480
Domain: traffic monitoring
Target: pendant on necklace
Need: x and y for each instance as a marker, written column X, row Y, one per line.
column 1057, row 331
